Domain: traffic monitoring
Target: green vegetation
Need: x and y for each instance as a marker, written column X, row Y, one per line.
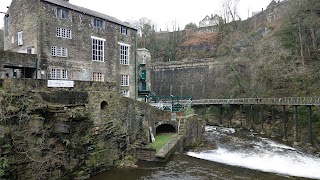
column 161, row 140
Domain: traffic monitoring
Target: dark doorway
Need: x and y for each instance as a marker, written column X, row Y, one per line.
column 165, row 128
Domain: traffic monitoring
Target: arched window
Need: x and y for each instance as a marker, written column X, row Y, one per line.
column 104, row 105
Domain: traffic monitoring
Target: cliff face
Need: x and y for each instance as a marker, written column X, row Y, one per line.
column 52, row 134
column 273, row 54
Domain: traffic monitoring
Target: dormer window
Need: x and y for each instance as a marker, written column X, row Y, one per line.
column 97, row 23
column 123, row 30
column 62, row 13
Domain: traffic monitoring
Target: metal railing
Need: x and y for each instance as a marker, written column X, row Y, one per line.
column 308, row 101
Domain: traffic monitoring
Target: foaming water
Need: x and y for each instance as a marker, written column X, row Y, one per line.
column 261, row 154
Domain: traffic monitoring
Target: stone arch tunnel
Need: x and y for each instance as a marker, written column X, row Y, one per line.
column 166, row 128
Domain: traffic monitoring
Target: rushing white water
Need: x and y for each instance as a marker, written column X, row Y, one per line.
column 263, row 155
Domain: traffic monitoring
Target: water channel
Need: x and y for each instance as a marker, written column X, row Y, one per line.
column 233, row 155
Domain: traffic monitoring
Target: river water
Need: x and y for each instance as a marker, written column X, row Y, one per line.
column 233, row 155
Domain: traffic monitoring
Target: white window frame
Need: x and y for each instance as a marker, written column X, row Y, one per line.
column 99, row 77
column 59, row 51
column 125, row 80
column 61, row 12
column 20, row 38
column 57, row 73
column 125, row 93
column 124, row 54
column 97, row 45
column 63, row 33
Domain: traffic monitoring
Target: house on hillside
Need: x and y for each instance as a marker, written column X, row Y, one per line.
column 210, row 21
column 72, row 42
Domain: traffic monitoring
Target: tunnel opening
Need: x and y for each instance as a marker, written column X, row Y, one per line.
column 165, row 129
column 103, row 105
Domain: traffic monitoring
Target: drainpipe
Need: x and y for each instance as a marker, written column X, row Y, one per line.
column 36, row 68
column 135, row 65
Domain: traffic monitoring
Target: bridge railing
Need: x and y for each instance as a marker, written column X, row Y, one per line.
column 263, row 101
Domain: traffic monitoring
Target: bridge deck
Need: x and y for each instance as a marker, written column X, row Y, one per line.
column 293, row 101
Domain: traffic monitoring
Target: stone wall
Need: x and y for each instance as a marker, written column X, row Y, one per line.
column 41, row 139
column 38, row 21
column 199, row 79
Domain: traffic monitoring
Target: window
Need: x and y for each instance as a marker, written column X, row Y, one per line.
column 124, row 80
column 63, row 33
column 59, row 51
column 97, row 77
column 97, row 49
column 124, row 54
column 30, row 50
column 20, row 40
column 144, row 59
column 123, row 30
column 125, row 93
column 97, row 23
column 62, row 13
column 59, row 74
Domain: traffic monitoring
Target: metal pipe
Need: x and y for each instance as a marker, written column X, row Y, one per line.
column 251, row 117
column 221, row 109
column 284, row 124
column 262, row 121
column 273, row 122
column 310, row 125
column 296, row 124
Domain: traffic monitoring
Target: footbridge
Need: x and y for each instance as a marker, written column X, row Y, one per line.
column 283, row 102
column 286, row 101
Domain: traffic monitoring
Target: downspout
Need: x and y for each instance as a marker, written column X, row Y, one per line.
column 135, row 65
column 36, row 68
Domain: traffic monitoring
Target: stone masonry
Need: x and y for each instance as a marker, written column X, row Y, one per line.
column 68, row 53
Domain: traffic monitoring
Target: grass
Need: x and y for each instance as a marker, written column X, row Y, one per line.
column 161, row 140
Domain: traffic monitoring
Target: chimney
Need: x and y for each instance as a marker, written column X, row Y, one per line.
column 211, row 16
column 66, row 0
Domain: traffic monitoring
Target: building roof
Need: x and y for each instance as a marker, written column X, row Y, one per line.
column 272, row 3
column 66, row 4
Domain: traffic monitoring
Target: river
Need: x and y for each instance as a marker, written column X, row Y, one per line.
column 234, row 155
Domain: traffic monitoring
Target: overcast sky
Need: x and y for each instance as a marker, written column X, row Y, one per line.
column 164, row 13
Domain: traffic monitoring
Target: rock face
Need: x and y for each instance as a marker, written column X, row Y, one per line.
column 49, row 140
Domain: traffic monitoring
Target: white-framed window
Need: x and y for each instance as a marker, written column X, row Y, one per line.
column 96, row 76
column 124, row 30
column 59, row 74
column 20, row 38
column 97, row 49
column 59, row 51
column 97, row 23
column 124, row 80
column 124, row 54
column 63, row 33
column 62, row 13
column 125, row 93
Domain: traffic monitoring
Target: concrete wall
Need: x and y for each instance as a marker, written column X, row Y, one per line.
column 199, row 79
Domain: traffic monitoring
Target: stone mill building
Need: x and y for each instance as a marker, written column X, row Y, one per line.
column 73, row 43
